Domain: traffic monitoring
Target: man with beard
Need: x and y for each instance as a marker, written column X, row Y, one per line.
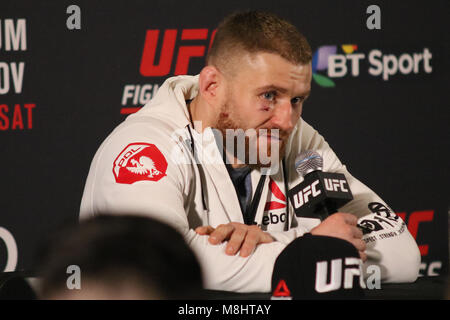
column 175, row 160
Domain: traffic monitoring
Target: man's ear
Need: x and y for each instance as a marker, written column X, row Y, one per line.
column 210, row 84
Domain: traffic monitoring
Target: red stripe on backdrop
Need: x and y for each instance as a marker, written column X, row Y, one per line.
column 129, row 110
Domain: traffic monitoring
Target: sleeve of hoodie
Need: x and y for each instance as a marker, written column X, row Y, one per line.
column 389, row 243
column 166, row 200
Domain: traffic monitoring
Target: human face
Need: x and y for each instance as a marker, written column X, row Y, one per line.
column 266, row 92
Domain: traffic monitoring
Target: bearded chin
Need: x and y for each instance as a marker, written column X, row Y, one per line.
column 269, row 154
column 248, row 147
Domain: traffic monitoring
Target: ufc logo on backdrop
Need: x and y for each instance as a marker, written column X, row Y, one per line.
column 151, row 68
column 303, row 196
column 414, row 220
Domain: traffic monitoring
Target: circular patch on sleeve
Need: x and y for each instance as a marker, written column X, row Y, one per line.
column 139, row 162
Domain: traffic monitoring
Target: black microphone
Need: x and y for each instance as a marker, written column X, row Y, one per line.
column 320, row 194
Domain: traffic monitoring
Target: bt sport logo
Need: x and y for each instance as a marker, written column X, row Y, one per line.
column 328, row 64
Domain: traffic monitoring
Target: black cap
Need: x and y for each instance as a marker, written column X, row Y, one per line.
column 318, row 267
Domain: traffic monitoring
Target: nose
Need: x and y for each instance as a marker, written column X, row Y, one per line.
column 282, row 117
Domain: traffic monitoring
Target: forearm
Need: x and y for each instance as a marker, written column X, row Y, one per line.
column 287, row 237
column 235, row 273
column 389, row 243
column 391, row 247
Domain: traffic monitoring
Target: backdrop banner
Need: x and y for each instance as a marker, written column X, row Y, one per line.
column 70, row 71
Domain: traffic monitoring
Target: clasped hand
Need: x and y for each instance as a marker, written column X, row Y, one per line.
column 240, row 237
column 245, row 238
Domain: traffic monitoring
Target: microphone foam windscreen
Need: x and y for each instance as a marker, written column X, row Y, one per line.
column 318, row 267
column 308, row 161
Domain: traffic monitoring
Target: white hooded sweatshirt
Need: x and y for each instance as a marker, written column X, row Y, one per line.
column 146, row 167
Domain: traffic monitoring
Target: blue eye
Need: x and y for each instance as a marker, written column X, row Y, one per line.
column 268, row 95
column 297, row 100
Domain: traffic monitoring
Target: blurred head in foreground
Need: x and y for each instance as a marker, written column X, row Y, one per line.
column 118, row 257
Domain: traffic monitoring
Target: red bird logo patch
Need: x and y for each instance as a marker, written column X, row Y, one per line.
column 139, row 162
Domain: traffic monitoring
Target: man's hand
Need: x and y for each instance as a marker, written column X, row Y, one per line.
column 240, row 237
column 343, row 226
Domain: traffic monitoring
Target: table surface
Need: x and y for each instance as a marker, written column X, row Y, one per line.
column 425, row 288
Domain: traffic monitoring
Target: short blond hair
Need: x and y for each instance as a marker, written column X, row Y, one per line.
column 254, row 32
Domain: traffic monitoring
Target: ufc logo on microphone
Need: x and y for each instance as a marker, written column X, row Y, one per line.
column 149, row 66
column 303, row 196
column 335, row 185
